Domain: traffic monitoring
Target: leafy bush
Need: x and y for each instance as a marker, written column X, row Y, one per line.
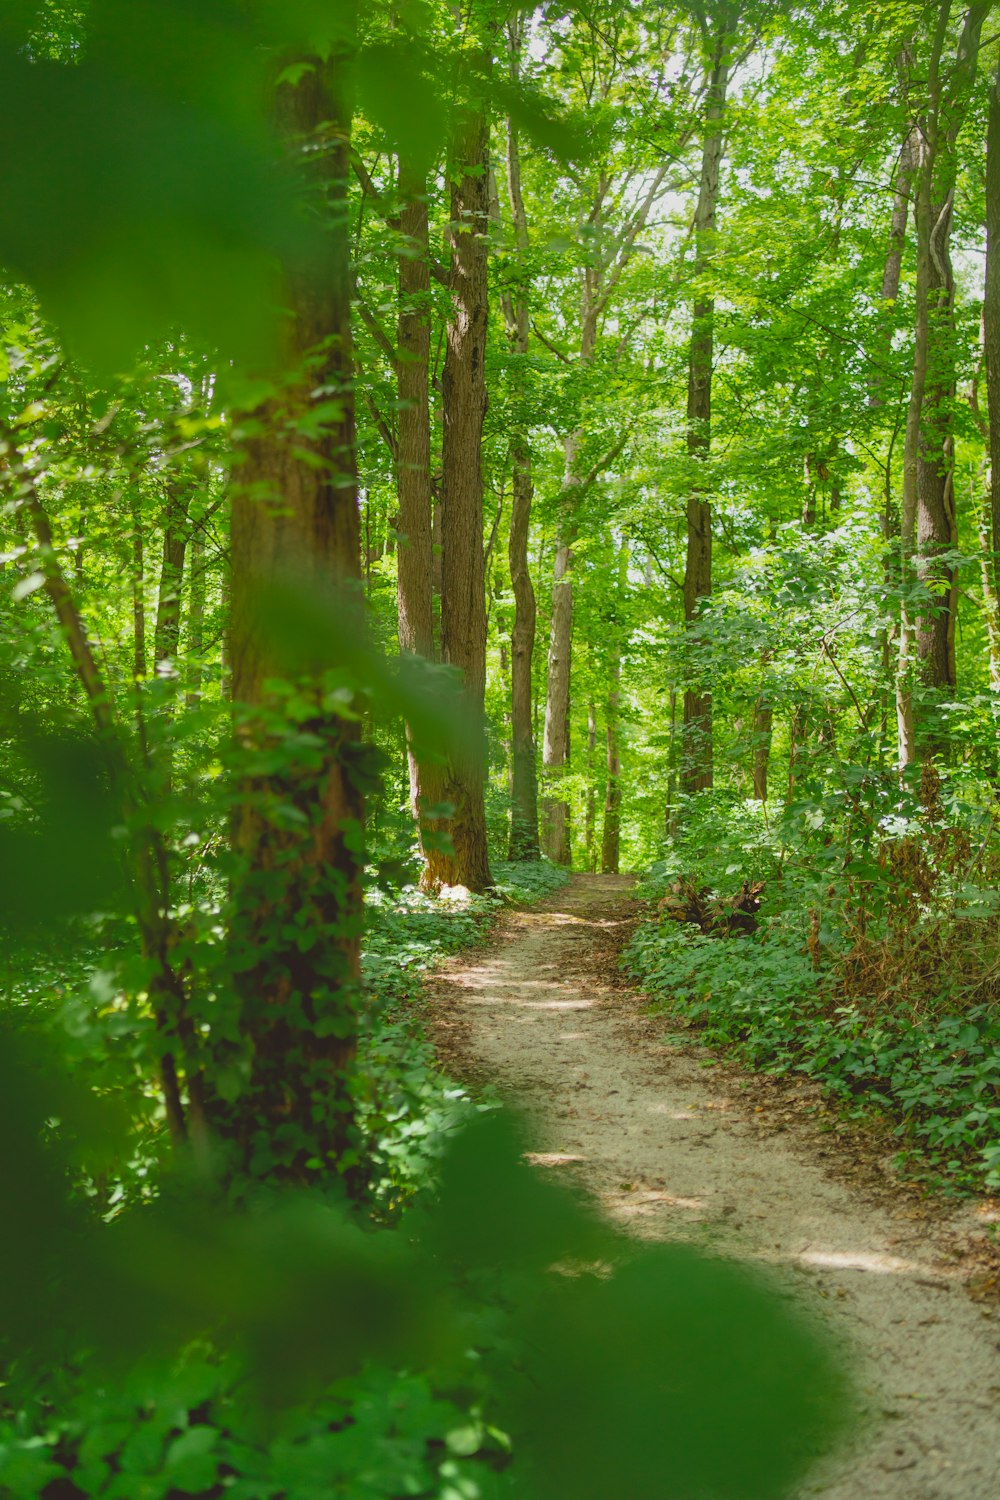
column 937, row 1075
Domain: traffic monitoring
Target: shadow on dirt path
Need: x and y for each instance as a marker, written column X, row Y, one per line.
column 645, row 1128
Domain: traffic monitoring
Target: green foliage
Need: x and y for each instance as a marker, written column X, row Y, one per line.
column 285, row 1322
column 840, row 984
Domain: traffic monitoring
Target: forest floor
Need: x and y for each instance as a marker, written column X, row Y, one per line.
column 678, row 1146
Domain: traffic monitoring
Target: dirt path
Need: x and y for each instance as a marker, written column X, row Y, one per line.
column 646, row 1127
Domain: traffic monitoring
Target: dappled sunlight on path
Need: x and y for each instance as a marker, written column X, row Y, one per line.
column 643, row 1126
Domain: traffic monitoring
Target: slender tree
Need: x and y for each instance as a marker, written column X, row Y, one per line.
column 524, row 777
column 696, row 765
column 463, row 587
column 414, row 591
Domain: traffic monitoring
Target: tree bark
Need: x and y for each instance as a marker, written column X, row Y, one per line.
column 590, row 812
column 524, row 842
column 763, row 722
column 296, row 928
column 166, row 636
column 991, row 317
column 195, row 643
column 463, row 582
column 557, row 830
column 697, row 756
column 611, row 835
column 415, row 563
column 138, row 587
column 555, row 746
column 905, row 721
column 906, row 165
column 936, row 525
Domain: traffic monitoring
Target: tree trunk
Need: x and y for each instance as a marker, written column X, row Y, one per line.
column 138, row 588
column 796, row 738
column 463, row 583
column 557, row 831
column 611, row 839
column 524, row 781
column 555, row 747
column 670, row 818
column 590, row 812
column 907, row 164
column 905, row 722
column 763, row 722
column 415, row 563
column 928, row 522
column 524, row 776
column 991, row 601
column 991, row 317
column 166, row 636
column 696, row 763
column 195, row 644
column 296, row 928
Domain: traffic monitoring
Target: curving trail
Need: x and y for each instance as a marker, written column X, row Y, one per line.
column 645, row 1126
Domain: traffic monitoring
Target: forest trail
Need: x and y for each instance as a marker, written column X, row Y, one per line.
column 645, row 1126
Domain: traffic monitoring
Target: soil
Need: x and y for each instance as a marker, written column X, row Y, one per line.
column 678, row 1146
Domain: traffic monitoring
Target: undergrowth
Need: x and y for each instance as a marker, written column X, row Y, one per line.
column 874, row 970
column 163, row 1433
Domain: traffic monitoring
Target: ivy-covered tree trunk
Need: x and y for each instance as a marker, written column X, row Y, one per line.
column 463, row 585
column 282, row 1085
column 697, row 748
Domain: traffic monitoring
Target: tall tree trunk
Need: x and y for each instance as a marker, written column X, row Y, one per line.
column 670, row 817
column 415, row 589
column 991, row 600
column 611, row 837
column 590, row 810
column 555, row 746
column 166, row 636
column 557, row 831
column 696, row 764
column 905, row 666
column 796, row 740
column 295, row 524
column 524, row 776
column 138, row 587
column 763, row 722
column 906, row 165
column 936, row 525
column 463, row 583
column 524, row 779
column 991, row 316
column 195, row 645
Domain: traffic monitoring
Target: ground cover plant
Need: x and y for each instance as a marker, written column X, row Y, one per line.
column 440, row 447
column 874, row 974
